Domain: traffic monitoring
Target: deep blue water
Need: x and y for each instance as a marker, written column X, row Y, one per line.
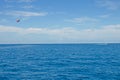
column 60, row 62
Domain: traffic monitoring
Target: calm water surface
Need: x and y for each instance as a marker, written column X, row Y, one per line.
column 60, row 62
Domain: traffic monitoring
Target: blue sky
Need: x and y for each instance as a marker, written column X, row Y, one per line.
column 60, row 21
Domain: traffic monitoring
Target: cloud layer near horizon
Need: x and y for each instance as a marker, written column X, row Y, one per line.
column 107, row 33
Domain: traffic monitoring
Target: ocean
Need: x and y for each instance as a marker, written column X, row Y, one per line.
column 60, row 61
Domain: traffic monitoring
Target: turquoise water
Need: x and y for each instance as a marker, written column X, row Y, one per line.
column 60, row 62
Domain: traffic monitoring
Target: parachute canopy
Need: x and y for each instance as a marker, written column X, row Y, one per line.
column 18, row 20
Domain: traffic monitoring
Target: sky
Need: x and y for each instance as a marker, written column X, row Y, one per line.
column 59, row 21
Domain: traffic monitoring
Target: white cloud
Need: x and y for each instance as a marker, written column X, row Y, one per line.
column 25, row 13
column 105, row 16
column 26, row 4
column 112, row 27
column 107, row 33
column 34, row 30
column 109, row 4
column 10, row 29
column 9, row 0
column 27, row 1
column 28, row 7
column 82, row 20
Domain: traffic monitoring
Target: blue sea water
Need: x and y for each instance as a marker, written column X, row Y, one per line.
column 60, row 62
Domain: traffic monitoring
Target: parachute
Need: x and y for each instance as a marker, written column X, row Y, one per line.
column 18, row 20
